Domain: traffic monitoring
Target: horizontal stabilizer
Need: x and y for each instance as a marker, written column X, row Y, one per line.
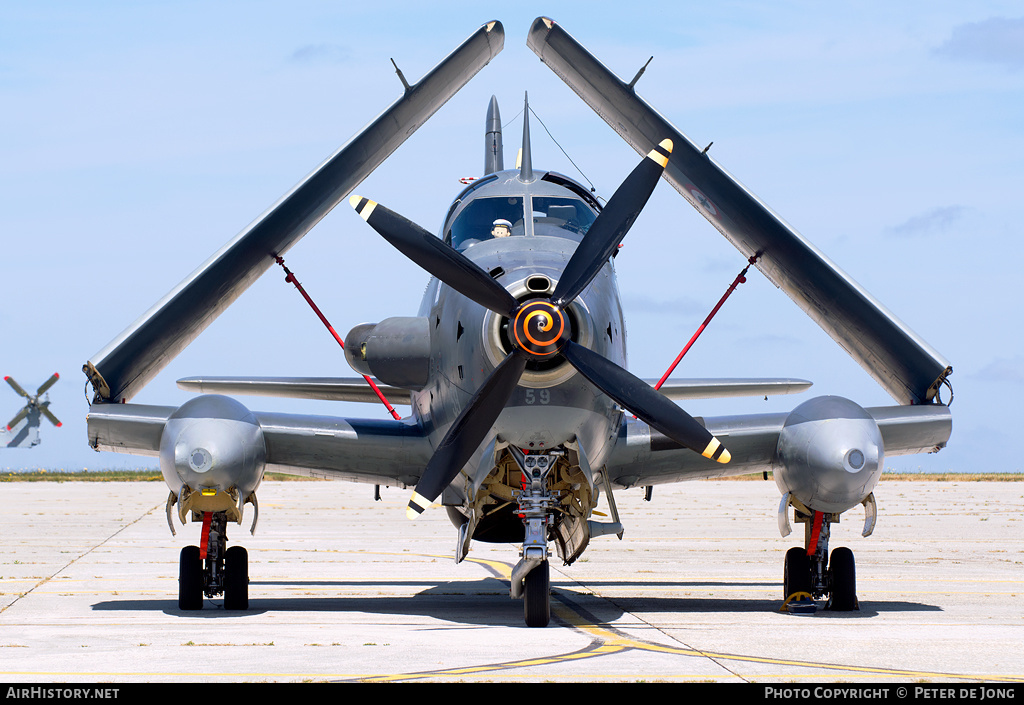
column 907, row 367
column 353, row 389
column 133, row 358
column 729, row 387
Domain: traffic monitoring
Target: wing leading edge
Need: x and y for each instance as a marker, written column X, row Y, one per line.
column 642, row 456
column 359, row 450
column 903, row 364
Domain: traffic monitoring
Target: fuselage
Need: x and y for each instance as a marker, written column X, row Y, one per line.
column 553, row 404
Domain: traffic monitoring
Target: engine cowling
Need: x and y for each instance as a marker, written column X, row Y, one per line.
column 830, row 454
column 214, row 446
column 396, row 351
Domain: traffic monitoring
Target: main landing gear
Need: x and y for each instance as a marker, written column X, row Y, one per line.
column 811, row 573
column 213, row 569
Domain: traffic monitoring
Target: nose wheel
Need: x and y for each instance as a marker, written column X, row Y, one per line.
column 531, row 577
column 537, row 596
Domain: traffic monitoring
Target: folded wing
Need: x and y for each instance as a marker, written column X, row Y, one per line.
column 905, row 365
column 128, row 362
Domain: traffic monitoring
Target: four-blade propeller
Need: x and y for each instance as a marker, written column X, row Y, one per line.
column 33, row 401
column 539, row 328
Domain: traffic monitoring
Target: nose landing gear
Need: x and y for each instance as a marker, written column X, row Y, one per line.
column 531, row 579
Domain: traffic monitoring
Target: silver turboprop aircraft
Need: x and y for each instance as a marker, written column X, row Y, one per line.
column 522, row 411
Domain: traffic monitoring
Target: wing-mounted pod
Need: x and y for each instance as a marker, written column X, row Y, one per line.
column 138, row 354
column 396, row 351
column 906, row 366
column 212, row 457
column 830, row 455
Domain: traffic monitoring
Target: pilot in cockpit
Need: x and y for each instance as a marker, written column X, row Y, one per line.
column 501, row 228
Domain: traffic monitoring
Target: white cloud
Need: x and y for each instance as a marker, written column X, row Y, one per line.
column 998, row 40
column 315, row 53
column 934, row 221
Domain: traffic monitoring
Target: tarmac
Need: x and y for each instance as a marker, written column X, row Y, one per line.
column 346, row 589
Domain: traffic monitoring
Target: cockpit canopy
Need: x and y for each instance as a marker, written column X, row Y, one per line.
column 557, row 207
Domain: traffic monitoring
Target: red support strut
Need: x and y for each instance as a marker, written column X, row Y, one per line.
column 815, row 534
column 204, row 540
column 740, row 279
column 289, row 277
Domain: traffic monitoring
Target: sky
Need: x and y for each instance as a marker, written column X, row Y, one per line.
column 139, row 137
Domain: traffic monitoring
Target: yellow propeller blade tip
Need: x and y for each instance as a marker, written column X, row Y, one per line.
column 417, row 505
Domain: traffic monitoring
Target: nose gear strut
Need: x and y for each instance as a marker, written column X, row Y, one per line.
column 531, row 576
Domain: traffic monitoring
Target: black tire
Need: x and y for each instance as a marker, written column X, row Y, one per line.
column 796, row 574
column 537, row 596
column 236, row 579
column 844, row 580
column 190, row 579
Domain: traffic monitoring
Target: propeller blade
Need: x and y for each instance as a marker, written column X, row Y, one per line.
column 48, row 414
column 47, row 384
column 17, row 387
column 604, row 236
column 432, row 254
column 648, row 404
column 466, row 434
column 17, row 419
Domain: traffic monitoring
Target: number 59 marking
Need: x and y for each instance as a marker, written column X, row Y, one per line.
column 532, row 397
